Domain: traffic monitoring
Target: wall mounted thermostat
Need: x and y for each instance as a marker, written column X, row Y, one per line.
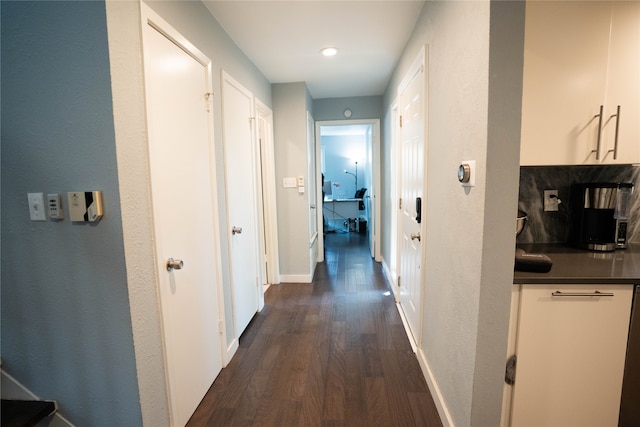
column 85, row 206
column 467, row 173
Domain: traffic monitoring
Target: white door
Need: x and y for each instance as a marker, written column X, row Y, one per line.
column 240, row 170
column 177, row 80
column 412, row 107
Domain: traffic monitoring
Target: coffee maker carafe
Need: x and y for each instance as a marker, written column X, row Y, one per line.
column 600, row 212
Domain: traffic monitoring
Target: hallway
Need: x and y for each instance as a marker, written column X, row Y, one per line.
column 330, row 353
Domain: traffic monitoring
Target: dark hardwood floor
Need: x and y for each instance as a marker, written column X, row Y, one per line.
column 330, row 353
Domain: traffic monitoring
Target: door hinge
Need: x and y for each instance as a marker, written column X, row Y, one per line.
column 400, row 203
column 398, row 281
column 220, row 326
column 207, row 100
column 400, row 121
column 510, row 370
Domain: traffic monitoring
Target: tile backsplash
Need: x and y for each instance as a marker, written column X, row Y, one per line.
column 553, row 227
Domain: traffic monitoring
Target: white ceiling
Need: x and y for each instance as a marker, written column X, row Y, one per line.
column 284, row 38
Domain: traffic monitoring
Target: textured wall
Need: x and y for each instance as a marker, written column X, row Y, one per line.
column 66, row 327
column 553, row 227
column 473, row 113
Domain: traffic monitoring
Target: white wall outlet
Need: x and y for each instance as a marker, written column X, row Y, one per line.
column 36, row 207
column 551, row 200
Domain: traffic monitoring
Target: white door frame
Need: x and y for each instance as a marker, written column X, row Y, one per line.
column 375, row 181
column 267, row 208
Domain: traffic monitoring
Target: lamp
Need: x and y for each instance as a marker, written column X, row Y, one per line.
column 354, row 175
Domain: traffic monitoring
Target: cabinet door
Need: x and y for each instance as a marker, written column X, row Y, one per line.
column 623, row 85
column 564, row 78
column 571, row 352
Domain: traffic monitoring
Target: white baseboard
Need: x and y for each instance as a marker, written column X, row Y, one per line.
column 231, row 351
column 392, row 279
column 13, row 389
column 296, row 278
column 422, row 360
column 445, row 417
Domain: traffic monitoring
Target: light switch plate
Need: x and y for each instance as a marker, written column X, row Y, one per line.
column 36, row 207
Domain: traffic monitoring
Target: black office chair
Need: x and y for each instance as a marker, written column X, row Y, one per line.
column 360, row 195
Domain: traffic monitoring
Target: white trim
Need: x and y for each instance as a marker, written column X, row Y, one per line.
column 438, row 399
column 231, row 349
column 296, row 278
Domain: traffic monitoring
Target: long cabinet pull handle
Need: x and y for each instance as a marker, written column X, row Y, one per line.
column 582, row 294
column 615, row 144
column 597, row 150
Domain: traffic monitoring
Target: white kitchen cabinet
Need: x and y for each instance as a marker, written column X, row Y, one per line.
column 578, row 57
column 570, row 348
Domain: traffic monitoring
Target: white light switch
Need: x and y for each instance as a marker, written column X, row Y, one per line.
column 289, row 182
column 36, row 207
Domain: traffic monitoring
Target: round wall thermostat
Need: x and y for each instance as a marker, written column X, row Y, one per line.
column 347, row 113
column 464, row 173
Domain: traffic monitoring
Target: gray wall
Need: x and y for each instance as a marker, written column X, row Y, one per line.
column 474, row 85
column 291, row 101
column 66, row 327
column 362, row 107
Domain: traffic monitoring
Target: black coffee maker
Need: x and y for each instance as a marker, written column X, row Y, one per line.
column 600, row 213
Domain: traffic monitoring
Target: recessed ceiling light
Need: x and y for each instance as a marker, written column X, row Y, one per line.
column 329, row 51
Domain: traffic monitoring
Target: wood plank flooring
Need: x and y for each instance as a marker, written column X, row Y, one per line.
column 330, row 353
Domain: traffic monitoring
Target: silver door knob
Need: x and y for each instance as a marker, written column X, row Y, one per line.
column 415, row 236
column 174, row 264
column 236, row 230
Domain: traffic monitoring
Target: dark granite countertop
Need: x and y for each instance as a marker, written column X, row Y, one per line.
column 576, row 266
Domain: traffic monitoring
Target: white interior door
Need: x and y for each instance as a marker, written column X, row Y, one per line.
column 177, row 80
column 412, row 107
column 240, row 172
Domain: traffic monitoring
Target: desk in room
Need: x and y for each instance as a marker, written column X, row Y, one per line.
column 341, row 209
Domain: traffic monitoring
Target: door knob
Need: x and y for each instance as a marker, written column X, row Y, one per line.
column 415, row 236
column 236, row 230
column 174, row 264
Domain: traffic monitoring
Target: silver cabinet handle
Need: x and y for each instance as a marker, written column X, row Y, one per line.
column 597, row 150
column 236, row 230
column 415, row 236
column 615, row 143
column 582, row 294
column 174, row 264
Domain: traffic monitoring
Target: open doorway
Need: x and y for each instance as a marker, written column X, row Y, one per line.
column 348, row 165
